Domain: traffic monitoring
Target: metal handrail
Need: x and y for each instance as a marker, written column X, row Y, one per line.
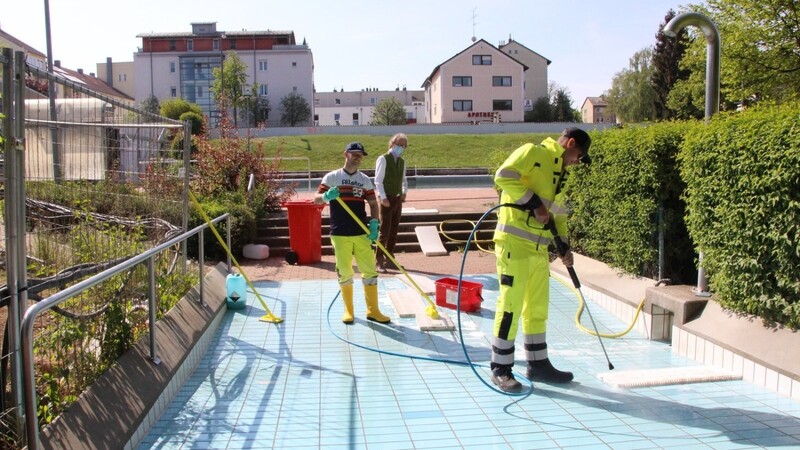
column 26, row 327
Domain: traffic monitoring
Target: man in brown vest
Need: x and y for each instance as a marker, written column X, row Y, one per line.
column 391, row 186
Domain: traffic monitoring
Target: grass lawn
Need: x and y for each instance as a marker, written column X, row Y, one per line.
column 424, row 151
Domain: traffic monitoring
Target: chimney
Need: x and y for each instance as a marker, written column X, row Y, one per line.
column 109, row 72
column 91, row 74
column 80, row 71
column 57, row 63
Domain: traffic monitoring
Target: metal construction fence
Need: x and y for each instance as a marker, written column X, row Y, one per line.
column 90, row 181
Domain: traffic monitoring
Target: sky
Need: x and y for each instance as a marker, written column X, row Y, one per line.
column 358, row 44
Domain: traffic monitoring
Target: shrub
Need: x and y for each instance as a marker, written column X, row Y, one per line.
column 743, row 195
column 616, row 200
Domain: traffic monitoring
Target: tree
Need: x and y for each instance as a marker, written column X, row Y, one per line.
column 151, row 105
column 667, row 55
column 760, row 56
column 541, row 112
column 562, row 106
column 632, row 97
column 295, row 110
column 255, row 108
column 761, row 49
column 389, row 111
column 230, row 82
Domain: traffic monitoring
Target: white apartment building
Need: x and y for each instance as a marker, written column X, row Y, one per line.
column 480, row 84
column 355, row 107
column 535, row 76
column 180, row 64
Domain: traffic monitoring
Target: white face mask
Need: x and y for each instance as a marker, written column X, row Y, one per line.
column 397, row 150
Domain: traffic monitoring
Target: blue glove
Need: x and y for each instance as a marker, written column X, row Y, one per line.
column 331, row 194
column 373, row 230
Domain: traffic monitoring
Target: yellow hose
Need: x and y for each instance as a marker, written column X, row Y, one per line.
column 463, row 241
column 430, row 310
column 579, row 312
column 269, row 317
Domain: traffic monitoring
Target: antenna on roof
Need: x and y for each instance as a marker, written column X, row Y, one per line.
column 473, row 24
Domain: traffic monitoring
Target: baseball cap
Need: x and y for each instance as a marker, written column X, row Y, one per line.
column 582, row 139
column 355, row 147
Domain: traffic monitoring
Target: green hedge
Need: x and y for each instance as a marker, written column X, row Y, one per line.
column 743, row 176
column 617, row 201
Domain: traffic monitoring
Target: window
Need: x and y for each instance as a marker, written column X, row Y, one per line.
column 462, row 105
column 262, row 65
column 501, row 105
column 122, row 77
column 501, row 81
column 462, row 81
column 172, row 67
column 262, row 90
column 215, row 45
column 316, row 102
column 337, row 101
column 199, row 91
column 172, row 45
column 294, row 64
column 233, row 44
column 355, row 118
column 481, row 60
column 294, row 88
column 373, row 100
column 173, row 91
column 189, row 45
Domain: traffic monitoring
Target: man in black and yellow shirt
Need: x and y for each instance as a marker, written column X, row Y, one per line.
column 347, row 237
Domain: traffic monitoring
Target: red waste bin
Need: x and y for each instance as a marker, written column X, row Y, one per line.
column 305, row 231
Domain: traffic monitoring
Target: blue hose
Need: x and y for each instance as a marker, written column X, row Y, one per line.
column 468, row 361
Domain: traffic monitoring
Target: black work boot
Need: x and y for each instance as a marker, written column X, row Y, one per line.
column 504, row 379
column 543, row 370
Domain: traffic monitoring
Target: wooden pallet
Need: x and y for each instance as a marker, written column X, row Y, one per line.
column 408, row 303
column 427, row 285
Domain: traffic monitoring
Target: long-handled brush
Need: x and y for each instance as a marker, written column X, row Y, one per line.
column 268, row 317
column 562, row 248
column 430, row 310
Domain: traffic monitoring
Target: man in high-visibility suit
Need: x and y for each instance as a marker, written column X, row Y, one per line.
column 532, row 177
column 348, row 237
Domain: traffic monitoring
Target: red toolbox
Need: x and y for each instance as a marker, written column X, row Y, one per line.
column 447, row 294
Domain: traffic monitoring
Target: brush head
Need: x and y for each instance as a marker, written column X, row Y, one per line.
column 270, row 318
column 432, row 312
column 667, row 376
column 610, row 366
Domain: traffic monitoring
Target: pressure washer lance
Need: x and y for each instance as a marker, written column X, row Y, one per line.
column 562, row 248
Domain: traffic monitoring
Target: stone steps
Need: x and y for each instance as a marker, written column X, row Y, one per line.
column 453, row 227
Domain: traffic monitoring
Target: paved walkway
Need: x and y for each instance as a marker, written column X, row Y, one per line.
column 313, row 382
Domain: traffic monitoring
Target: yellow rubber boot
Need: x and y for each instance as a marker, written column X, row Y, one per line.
column 347, row 298
column 373, row 313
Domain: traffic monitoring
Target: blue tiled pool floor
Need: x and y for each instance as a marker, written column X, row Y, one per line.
column 297, row 385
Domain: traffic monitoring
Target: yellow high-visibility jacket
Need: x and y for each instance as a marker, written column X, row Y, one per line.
column 531, row 169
